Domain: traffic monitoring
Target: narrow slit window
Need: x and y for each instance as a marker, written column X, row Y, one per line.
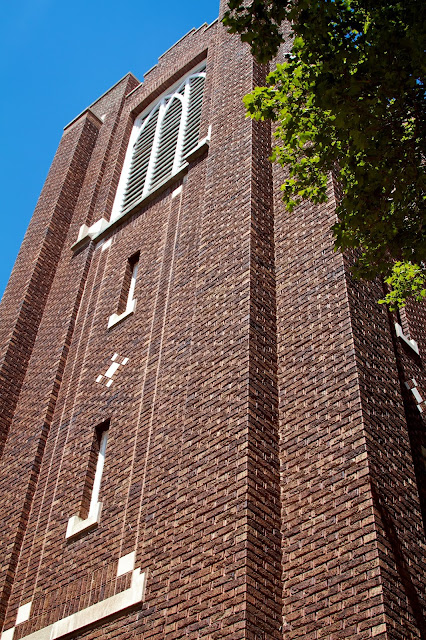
column 134, row 270
column 127, row 301
column 103, row 439
column 90, row 511
column 94, row 472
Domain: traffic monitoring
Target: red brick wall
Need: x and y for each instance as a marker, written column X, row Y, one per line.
column 36, row 351
column 25, row 297
column 259, row 461
column 353, row 540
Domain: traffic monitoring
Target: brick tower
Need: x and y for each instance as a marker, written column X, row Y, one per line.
column 208, row 429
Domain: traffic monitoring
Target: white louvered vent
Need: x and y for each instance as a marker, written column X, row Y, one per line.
column 163, row 138
column 140, row 161
column 196, row 86
column 165, row 156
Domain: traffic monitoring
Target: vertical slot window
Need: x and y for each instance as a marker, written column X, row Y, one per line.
column 102, row 437
column 127, row 301
column 90, row 511
column 134, row 271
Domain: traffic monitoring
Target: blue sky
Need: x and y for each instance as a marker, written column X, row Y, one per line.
column 55, row 60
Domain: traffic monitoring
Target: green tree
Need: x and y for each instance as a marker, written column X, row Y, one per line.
column 350, row 98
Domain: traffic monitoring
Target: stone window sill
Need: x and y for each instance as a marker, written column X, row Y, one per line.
column 116, row 318
column 77, row 525
column 411, row 343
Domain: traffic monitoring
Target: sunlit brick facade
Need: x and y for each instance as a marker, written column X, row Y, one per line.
column 208, row 429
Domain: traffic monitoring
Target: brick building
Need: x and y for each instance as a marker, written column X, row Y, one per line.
column 208, row 429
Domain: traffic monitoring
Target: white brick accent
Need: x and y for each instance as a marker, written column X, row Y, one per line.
column 412, row 386
column 126, row 563
column 107, row 377
column 23, row 613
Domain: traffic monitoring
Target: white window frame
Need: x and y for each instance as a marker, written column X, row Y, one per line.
column 163, row 102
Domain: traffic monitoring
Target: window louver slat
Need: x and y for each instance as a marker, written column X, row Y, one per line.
column 138, row 168
column 167, row 145
column 140, row 162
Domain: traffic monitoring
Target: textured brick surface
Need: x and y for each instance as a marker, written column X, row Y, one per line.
column 264, row 455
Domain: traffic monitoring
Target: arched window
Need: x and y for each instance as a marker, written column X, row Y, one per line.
column 164, row 136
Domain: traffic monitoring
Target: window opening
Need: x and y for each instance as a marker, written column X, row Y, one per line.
column 95, row 470
column 140, row 162
column 90, row 511
column 160, row 141
column 127, row 301
column 132, row 284
column 99, row 472
column 165, row 156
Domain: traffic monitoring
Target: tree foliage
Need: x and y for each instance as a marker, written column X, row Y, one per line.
column 350, row 97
